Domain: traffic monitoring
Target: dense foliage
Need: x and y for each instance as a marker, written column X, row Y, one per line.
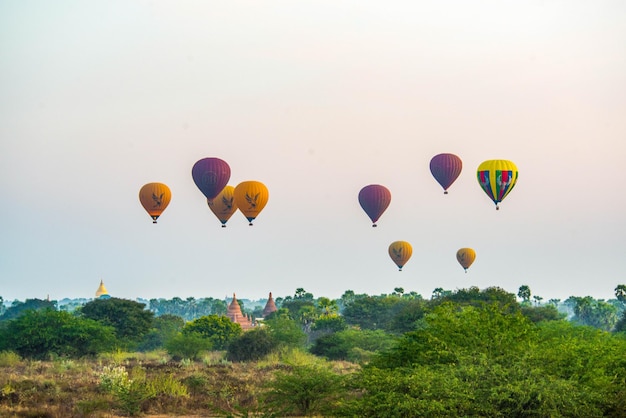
column 45, row 333
column 471, row 361
column 468, row 352
column 130, row 319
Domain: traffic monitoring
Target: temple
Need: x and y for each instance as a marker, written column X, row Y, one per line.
column 235, row 315
column 102, row 292
column 270, row 306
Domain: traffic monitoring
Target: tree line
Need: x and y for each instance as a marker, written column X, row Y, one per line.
column 468, row 352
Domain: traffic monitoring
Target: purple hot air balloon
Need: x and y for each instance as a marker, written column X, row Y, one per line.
column 445, row 169
column 374, row 200
column 211, row 175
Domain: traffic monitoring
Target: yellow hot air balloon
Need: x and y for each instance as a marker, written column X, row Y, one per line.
column 154, row 198
column 497, row 178
column 400, row 252
column 223, row 206
column 465, row 257
column 250, row 198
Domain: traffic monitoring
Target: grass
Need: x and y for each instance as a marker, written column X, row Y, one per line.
column 142, row 384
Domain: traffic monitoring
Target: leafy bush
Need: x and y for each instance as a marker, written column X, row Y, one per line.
column 252, row 345
column 187, row 346
column 352, row 345
column 129, row 318
column 219, row 330
column 40, row 334
column 304, row 391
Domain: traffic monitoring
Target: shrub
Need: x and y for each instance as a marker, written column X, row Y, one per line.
column 188, row 346
column 41, row 334
column 251, row 346
column 9, row 359
column 304, row 391
column 352, row 345
column 219, row 330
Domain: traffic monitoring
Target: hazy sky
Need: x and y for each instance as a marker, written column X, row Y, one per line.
column 316, row 99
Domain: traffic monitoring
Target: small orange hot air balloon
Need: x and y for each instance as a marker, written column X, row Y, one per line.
column 250, row 198
column 465, row 257
column 154, row 198
column 400, row 252
column 223, row 206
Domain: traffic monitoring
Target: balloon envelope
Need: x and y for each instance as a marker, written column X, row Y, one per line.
column 497, row 178
column 223, row 206
column 374, row 199
column 400, row 252
column 154, row 198
column 211, row 175
column 446, row 168
column 465, row 257
column 250, row 198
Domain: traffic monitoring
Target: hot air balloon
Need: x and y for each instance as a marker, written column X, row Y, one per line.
column 250, row 198
column 497, row 178
column 223, row 206
column 211, row 175
column 400, row 252
column 465, row 257
column 154, row 198
column 446, row 168
column 374, row 200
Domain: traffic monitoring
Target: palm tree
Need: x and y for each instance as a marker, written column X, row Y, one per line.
column 620, row 292
column 524, row 293
column 327, row 306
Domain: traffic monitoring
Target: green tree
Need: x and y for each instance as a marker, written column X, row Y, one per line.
column 164, row 327
column 187, row 346
column 17, row 308
column 251, row 345
column 331, row 323
column 408, row 316
column 39, row 334
column 620, row 293
column 352, row 345
column 542, row 313
column 489, row 361
column 308, row 390
column 220, row 330
column 524, row 293
column 303, row 294
column 327, row 307
column 129, row 318
column 373, row 312
column 595, row 313
column 286, row 331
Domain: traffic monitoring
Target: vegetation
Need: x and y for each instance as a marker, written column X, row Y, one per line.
column 468, row 352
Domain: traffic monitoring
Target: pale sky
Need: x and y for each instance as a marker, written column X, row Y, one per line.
column 316, row 99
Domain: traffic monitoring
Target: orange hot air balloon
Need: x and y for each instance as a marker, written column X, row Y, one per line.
column 223, row 206
column 400, row 252
column 250, row 198
column 154, row 198
column 465, row 257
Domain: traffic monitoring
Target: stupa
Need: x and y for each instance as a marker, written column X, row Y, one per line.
column 270, row 306
column 102, row 292
column 235, row 315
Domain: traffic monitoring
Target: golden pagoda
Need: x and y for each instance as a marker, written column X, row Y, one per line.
column 270, row 306
column 235, row 315
column 102, row 292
